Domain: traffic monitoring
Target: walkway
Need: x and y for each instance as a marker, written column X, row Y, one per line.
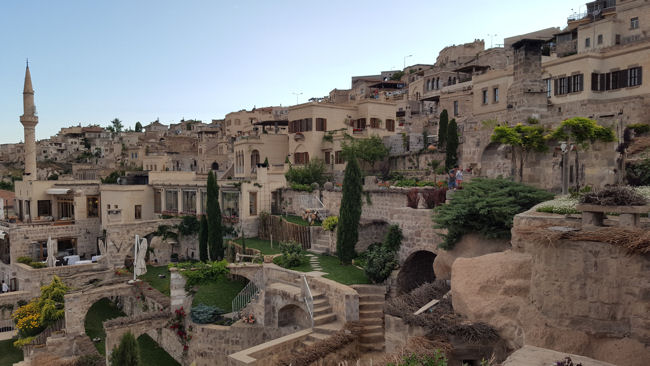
column 317, row 270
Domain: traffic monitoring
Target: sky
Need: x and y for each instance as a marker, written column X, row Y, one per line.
column 139, row 60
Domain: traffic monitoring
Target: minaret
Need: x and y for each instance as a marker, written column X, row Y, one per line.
column 29, row 121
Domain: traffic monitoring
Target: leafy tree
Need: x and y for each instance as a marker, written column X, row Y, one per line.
column 370, row 150
column 487, row 207
column 638, row 173
column 451, row 153
column 581, row 132
column 117, row 125
column 394, row 238
column 442, row 129
column 138, row 127
column 314, row 171
column 9, row 186
column 347, row 233
column 203, row 239
column 127, row 353
column 215, row 235
column 397, row 76
column 382, row 259
column 523, row 139
column 112, row 178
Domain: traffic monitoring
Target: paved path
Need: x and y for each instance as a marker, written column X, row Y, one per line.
column 317, row 270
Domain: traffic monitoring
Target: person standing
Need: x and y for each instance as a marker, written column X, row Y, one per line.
column 5, row 288
column 451, row 179
column 459, row 178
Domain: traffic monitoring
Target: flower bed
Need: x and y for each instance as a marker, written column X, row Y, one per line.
column 566, row 204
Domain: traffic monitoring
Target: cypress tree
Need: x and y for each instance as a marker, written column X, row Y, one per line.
column 203, row 239
column 215, row 232
column 451, row 154
column 347, row 233
column 127, row 353
column 442, row 129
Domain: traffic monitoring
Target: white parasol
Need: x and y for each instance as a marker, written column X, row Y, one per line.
column 139, row 263
column 51, row 248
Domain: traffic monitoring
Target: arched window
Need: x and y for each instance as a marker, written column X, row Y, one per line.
column 454, row 80
column 215, row 166
column 255, row 159
column 449, row 81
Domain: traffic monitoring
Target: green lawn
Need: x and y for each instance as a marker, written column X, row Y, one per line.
column 298, row 220
column 262, row 245
column 219, row 293
column 152, row 354
column 347, row 275
column 101, row 311
column 9, row 354
column 160, row 284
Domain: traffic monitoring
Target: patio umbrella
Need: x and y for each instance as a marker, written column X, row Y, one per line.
column 140, row 265
column 51, row 248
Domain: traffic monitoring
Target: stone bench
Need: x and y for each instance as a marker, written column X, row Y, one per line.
column 629, row 216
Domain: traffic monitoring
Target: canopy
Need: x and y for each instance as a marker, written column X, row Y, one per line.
column 58, row 191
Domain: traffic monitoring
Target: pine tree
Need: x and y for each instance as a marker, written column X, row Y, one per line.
column 451, row 154
column 215, row 232
column 442, row 129
column 203, row 239
column 347, row 233
column 127, row 353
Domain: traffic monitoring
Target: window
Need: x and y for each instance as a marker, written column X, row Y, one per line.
column 568, row 84
column 189, row 202
column 92, row 206
column 252, row 203
column 301, row 158
column 138, row 212
column 328, row 159
column 484, row 93
column 548, row 87
column 495, row 93
column 634, row 76
column 300, row 125
column 338, row 157
column 171, row 200
column 634, row 23
column 66, row 209
column 455, row 107
column 321, row 124
column 587, row 42
column 44, row 208
column 599, row 40
column 375, row 122
column 390, row 125
column 156, row 201
column 576, row 83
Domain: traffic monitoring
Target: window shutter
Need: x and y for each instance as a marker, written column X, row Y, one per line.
column 580, row 82
column 324, row 124
column 640, row 80
column 594, row 81
column 569, row 84
column 309, row 120
column 622, row 79
column 555, row 85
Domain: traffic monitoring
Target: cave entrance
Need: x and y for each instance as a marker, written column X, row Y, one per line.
column 416, row 270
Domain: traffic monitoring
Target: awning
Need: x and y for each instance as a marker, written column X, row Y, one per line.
column 58, row 191
column 2, row 235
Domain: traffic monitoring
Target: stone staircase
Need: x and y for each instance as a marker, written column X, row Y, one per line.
column 371, row 316
column 324, row 320
column 320, row 243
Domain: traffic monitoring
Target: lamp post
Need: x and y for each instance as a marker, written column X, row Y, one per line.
column 491, row 37
column 405, row 57
column 296, row 94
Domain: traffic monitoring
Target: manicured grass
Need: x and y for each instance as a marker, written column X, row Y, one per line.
column 152, row 354
column 303, row 267
column 160, row 284
column 9, row 354
column 347, row 275
column 298, row 220
column 262, row 245
column 219, row 293
column 101, row 311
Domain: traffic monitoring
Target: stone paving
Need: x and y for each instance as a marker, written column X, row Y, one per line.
column 317, row 270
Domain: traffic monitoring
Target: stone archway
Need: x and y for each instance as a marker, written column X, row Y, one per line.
column 78, row 303
column 416, row 270
column 293, row 316
column 496, row 160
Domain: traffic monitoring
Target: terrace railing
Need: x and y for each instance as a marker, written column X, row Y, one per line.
column 249, row 292
column 309, row 299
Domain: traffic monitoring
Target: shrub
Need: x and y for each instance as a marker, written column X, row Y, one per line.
column 382, row 259
column 330, row 223
column 90, row 360
column 127, row 353
column 638, row 174
column 639, row 128
column 438, row 359
column 206, row 314
column 291, row 255
column 393, row 238
column 614, row 196
column 197, row 273
column 314, row 171
column 429, row 197
column 24, row 260
column 189, row 225
column 37, row 265
column 487, row 207
column 413, row 198
column 302, row 187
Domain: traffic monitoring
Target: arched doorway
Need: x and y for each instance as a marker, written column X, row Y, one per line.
column 294, row 317
column 416, row 270
column 100, row 311
column 255, row 159
column 215, row 166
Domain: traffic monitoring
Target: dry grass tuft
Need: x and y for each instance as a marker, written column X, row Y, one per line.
column 614, row 196
column 417, row 345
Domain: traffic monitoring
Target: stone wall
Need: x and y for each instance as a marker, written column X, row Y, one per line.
column 121, row 238
column 76, row 276
column 77, row 303
column 397, row 333
column 588, row 298
column 11, row 299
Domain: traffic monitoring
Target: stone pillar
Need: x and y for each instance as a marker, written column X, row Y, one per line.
column 163, row 200
column 179, row 298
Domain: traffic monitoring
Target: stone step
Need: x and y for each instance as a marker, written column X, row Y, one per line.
column 329, row 328
column 365, row 314
column 373, row 347
column 324, row 319
column 317, row 295
column 372, row 329
column 308, row 343
column 371, row 321
column 376, row 337
column 371, row 298
column 321, row 301
column 371, row 306
column 369, row 289
column 317, row 336
column 322, row 310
